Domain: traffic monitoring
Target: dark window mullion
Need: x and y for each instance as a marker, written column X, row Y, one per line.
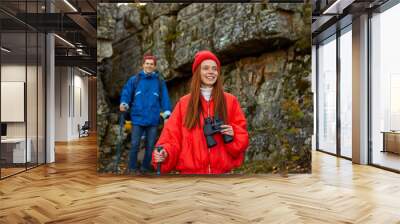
column 316, row 96
column 45, row 88
column 37, row 90
column 26, row 87
column 73, row 92
column 369, row 89
column 338, row 73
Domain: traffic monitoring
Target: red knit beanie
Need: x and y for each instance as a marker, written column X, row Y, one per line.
column 204, row 55
column 149, row 56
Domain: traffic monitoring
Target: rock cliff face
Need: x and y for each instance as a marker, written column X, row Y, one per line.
column 265, row 51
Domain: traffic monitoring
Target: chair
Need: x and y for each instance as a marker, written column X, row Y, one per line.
column 84, row 130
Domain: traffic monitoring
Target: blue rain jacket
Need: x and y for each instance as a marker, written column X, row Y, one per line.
column 147, row 99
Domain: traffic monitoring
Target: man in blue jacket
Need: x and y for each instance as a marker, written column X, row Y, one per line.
column 146, row 95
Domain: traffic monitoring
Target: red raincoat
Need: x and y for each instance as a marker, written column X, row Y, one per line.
column 187, row 148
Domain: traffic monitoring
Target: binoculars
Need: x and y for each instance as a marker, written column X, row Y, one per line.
column 211, row 127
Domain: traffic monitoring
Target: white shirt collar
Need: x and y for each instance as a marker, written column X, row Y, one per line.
column 206, row 92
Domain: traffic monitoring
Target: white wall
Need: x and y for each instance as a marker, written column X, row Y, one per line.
column 80, row 110
column 12, row 73
column 61, row 103
column 71, row 94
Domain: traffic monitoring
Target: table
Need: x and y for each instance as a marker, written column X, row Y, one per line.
column 391, row 141
column 15, row 148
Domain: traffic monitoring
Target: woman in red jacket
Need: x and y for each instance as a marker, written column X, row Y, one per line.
column 185, row 148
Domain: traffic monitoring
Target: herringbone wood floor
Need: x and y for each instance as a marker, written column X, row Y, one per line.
column 70, row 191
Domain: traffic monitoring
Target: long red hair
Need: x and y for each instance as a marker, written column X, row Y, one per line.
column 192, row 117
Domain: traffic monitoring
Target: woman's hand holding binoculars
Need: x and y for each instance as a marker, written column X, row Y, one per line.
column 227, row 130
column 160, row 157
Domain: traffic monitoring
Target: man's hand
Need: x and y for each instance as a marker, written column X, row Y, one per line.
column 160, row 157
column 122, row 108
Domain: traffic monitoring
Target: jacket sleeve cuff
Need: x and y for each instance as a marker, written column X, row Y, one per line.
column 166, row 114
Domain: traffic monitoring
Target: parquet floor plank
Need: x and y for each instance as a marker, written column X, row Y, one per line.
column 70, row 191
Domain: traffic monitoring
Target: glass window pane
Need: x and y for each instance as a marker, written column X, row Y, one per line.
column 327, row 96
column 13, row 84
column 22, row 71
column 386, row 89
column 346, row 94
